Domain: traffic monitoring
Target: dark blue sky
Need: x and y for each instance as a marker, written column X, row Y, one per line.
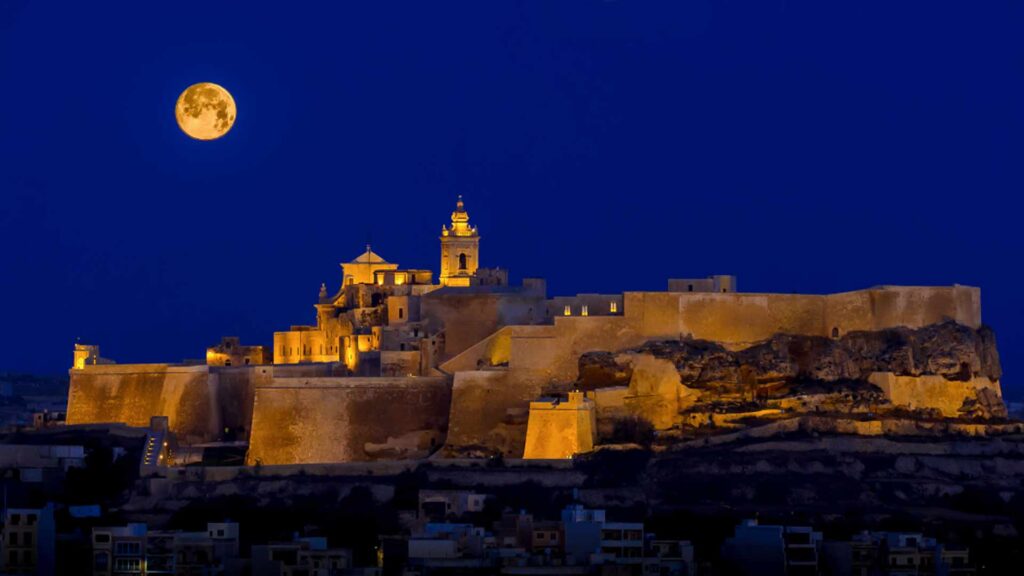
column 802, row 145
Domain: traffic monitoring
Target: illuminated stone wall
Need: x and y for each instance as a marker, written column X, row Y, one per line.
column 560, row 429
column 307, row 420
column 200, row 402
column 539, row 357
column 469, row 315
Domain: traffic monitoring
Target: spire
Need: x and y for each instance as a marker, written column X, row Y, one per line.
column 460, row 215
column 460, row 221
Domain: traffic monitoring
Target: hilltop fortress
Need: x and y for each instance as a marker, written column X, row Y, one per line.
column 400, row 366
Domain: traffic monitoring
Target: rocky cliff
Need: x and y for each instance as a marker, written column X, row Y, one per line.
column 947, row 349
column 689, row 387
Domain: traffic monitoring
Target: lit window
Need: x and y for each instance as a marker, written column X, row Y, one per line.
column 613, row 307
column 568, row 311
column 584, row 311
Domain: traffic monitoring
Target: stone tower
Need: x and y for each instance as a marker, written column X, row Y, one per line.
column 460, row 249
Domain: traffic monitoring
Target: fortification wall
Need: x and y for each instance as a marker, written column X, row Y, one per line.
column 742, row 319
column 489, row 411
column 469, row 317
column 132, row 394
column 200, row 402
column 910, row 306
column 542, row 356
column 320, row 420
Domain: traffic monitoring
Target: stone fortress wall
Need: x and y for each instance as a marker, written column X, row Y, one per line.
column 289, row 413
column 200, row 401
column 318, row 420
column 495, row 379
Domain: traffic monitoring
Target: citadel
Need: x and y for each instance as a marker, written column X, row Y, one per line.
column 403, row 365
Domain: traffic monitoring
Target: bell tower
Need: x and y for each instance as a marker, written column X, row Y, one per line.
column 460, row 249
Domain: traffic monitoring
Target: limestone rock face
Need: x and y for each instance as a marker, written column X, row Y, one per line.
column 947, row 349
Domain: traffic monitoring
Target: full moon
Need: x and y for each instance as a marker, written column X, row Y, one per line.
column 205, row 111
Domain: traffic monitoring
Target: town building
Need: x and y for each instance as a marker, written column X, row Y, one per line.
column 29, row 541
column 136, row 550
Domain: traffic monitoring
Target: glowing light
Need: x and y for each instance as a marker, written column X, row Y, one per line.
column 205, row 111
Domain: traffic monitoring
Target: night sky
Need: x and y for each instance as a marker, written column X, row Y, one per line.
column 804, row 146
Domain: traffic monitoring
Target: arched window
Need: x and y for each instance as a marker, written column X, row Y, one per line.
column 835, row 332
column 462, row 261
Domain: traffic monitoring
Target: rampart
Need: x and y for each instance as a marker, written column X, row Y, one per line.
column 318, row 420
column 200, row 402
column 537, row 357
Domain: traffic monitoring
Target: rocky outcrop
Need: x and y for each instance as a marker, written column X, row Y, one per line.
column 948, row 351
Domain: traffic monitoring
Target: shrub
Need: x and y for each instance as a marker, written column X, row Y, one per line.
column 632, row 430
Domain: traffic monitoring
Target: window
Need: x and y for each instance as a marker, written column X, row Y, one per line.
column 127, row 548
column 101, row 538
column 462, row 261
column 568, row 311
column 401, row 313
column 12, row 539
column 247, row 361
column 26, row 539
column 613, row 307
column 15, row 519
column 100, row 561
column 584, row 311
column 227, row 362
column 13, row 558
column 689, row 287
column 30, row 519
column 835, row 332
column 127, row 565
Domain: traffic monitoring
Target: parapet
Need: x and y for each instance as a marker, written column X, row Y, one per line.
column 717, row 283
